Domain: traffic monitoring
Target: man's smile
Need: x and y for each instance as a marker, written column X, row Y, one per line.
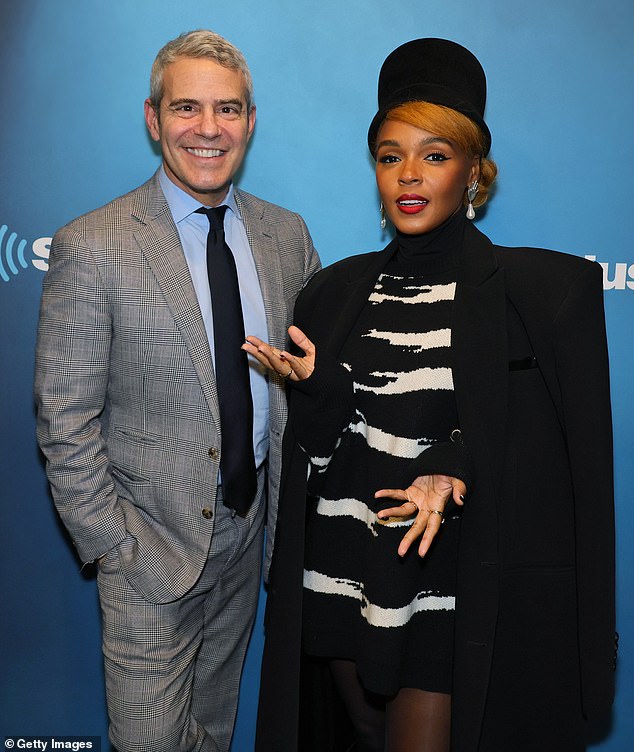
column 204, row 152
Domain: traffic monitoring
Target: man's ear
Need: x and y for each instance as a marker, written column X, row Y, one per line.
column 152, row 120
column 251, row 122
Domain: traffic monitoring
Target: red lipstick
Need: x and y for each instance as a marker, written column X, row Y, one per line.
column 411, row 203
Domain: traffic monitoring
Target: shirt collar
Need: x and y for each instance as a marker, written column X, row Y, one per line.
column 181, row 204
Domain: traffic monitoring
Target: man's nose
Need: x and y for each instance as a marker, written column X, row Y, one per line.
column 208, row 123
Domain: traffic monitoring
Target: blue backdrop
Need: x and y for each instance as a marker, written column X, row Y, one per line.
column 72, row 136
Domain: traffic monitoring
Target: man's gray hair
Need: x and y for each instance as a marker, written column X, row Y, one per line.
column 204, row 44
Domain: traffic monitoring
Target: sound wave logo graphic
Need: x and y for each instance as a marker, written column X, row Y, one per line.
column 10, row 254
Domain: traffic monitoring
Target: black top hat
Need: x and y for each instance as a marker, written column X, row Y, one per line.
column 436, row 71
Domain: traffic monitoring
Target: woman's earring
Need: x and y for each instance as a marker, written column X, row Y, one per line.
column 472, row 192
column 383, row 219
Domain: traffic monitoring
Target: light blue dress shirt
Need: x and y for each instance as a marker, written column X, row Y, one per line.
column 193, row 229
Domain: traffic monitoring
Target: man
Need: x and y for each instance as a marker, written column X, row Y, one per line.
column 135, row 420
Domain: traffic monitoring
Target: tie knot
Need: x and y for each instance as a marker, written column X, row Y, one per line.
column 215, row 215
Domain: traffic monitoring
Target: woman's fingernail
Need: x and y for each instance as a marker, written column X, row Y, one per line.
column 461, row 497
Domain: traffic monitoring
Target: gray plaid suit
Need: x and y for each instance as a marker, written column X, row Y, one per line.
column 127, row 404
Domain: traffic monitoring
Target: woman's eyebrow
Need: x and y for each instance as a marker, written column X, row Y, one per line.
column 424, row 142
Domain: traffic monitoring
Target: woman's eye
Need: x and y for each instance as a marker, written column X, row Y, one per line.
column 437, row 157
column 388, row 159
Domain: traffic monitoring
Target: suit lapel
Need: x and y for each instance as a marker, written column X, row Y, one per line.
column 263, row 242
column 159, row 241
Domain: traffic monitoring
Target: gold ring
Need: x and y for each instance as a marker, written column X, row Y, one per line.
column 436, row 511
column 286, row 375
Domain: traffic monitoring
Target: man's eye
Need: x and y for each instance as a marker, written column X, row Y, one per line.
column 183, row 109
column 230, row 111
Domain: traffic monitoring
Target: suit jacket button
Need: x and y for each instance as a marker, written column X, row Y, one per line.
column 207, row 513
column 213, row 453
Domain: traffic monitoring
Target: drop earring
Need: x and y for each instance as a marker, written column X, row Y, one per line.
column 472, row 192
column 383, row 219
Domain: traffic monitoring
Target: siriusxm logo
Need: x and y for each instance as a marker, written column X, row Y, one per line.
column 12, row 254
column 7, row 250
column 621, row 279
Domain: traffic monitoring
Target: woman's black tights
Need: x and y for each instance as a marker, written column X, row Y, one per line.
column 412, row 721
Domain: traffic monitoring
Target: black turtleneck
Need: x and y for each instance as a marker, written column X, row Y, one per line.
column 430, row 252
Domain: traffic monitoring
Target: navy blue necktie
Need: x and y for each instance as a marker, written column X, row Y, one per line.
column 237, row 463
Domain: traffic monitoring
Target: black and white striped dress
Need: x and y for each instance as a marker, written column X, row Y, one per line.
column 392, row 616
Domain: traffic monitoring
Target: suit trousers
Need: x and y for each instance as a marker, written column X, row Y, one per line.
column 173, row 670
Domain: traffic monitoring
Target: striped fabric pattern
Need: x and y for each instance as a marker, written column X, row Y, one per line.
column 361, row 600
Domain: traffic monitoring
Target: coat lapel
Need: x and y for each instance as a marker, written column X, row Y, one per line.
column 480, row 351
column 480, row 371
column 354, row 296
column 159, row 241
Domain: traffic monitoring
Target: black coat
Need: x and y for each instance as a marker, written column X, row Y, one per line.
column 535, row 598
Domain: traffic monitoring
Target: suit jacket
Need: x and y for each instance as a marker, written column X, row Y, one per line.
column 127, row 404
column 535, row 598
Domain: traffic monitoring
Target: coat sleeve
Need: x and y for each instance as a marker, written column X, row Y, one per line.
column 582, row 367
column 320, row 408
column 445, row 458
column 71, row 379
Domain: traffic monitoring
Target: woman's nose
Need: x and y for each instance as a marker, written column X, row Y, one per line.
column 409, row 175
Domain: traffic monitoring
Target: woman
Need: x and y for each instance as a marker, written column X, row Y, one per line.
column 442, row 380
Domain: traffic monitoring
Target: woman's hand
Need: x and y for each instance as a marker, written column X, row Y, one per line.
column 283, row 363
column 427, row 498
